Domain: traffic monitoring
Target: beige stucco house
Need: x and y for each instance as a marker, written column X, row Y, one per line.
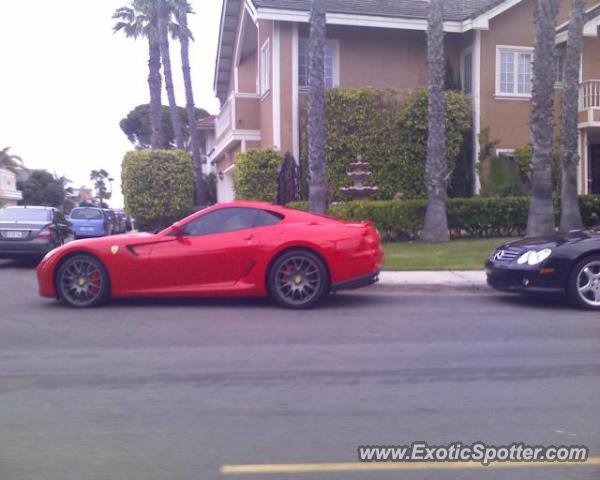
column 261, row 69
column 9, row 195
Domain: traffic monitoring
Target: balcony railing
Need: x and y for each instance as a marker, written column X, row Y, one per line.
column 590, row 95
column 224, row 119
column 240, row 112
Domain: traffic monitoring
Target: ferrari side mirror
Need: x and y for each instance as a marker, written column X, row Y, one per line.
column 177, row 229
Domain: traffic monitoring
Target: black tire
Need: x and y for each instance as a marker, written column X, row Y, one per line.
column 82, row 282
column 576, row 284
column 298, row 279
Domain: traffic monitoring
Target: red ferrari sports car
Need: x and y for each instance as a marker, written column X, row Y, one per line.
column 229, row 250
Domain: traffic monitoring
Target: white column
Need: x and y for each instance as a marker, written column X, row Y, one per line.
column 276, row 88
column 580, row 182
column 585, row 163
column 295, row 95
column 476, row 99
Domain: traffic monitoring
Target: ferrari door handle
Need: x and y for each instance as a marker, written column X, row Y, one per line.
column 249, row 237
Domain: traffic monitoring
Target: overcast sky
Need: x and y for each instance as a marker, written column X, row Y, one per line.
column 67, row 80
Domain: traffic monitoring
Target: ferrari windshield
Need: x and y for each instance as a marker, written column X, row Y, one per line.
column 87, row 214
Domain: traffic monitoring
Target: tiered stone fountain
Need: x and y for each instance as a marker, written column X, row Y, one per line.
column 358, row 173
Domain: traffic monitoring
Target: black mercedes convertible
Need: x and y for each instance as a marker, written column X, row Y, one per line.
column 561, row 264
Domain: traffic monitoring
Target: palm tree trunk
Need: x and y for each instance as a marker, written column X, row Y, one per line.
column 318, row 191
column 190, row 107
column 541, row 210
column 167, row 72
column 436, row 171
column 570, row 218
column 155, row 84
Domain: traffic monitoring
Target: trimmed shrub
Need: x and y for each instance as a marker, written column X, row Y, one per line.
column 476, row 217
column 389, row 130
column 504, row 179
column 158, row 186
column 256, row 173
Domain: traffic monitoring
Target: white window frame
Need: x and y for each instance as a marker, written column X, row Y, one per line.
column 509, row 152
column 265, row 68
column 463, row 55
column 515, row 50
column 335, row 44
column 559, row 83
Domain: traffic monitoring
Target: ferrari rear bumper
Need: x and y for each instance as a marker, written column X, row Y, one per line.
column 355, row 283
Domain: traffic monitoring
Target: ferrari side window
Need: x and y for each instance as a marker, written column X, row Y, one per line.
column 265, row 218
column 221, row 221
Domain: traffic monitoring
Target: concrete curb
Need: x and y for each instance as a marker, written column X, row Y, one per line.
column 435, row 280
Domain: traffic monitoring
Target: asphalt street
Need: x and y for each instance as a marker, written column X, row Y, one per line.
column 157, row 390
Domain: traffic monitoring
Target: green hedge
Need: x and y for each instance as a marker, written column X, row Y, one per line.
column 389, row 130
column 467, row 217
column 158, row 186
column 256, row 173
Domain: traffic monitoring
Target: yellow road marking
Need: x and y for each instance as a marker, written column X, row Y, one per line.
column 15, row 382
column 385, row 467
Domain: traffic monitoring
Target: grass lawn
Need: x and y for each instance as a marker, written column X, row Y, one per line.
column 456, row 255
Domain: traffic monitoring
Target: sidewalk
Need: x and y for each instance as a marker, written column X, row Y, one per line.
column 455, row 280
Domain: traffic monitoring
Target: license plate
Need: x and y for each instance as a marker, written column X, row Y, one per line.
column 87, row 229
column 14, row 234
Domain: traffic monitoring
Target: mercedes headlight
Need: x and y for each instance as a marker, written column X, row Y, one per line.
column 533, row 257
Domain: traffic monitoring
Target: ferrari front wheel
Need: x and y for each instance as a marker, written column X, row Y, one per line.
column 298, row 279
column 82, row 282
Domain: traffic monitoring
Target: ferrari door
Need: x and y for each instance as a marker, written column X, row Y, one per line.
column 214, row 252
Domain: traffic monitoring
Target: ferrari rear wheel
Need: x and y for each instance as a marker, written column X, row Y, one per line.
column 298, row 279
column 584, row 284
column 82, row 282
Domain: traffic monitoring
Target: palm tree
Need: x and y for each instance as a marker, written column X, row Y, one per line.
column 166, row 27
column 436, row 170
column 317, row 140
column 100, row 177
column 541, row 209
column 570, row 218
column 10, row 161
column 141, row 20
column 183, row 8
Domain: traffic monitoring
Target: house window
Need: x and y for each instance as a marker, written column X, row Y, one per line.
column 560, row 67
column 467, row 72
column 265, row 68
column 331, row 74
column 505, row 153
column 514, row 71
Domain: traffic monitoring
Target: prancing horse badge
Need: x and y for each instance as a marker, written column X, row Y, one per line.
column 114, row 249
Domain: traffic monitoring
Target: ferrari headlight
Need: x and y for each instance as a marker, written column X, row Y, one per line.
column 533, row 257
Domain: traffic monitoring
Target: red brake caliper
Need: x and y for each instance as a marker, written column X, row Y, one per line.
column 95, row 277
